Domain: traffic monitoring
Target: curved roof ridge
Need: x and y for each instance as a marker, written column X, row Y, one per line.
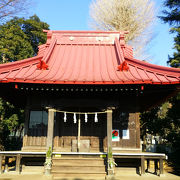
column 49, row 51
column 84, row 32
column 119, row 51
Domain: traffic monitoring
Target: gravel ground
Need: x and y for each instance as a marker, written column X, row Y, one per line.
column 167, row 176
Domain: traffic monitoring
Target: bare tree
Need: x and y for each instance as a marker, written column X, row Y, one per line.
column 135, row 16
column 11, row 8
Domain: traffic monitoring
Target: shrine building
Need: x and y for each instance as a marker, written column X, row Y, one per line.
column 82, row 94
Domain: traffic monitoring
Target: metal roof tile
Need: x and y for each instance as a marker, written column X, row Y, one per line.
column 86, row 57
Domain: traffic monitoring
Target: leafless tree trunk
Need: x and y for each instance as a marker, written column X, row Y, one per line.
column 11, row 8
column 135, row 16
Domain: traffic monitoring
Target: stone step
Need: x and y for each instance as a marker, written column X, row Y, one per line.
column 82, row 161
column 79, row 176
column 76, row 157
column 76, row 167
column 80, row 169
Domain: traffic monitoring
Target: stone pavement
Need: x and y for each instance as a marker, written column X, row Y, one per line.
column 167, row 176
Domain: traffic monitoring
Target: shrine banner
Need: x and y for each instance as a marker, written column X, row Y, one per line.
column 115, row 135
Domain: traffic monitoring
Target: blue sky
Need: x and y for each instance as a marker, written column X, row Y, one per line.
column 74, row 15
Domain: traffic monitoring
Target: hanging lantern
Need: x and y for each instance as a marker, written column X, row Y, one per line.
column 86, row 118
column 75, row 120
column 96, row 118
column 65, row 117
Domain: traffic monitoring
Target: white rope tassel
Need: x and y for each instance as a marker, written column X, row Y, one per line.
column 86, row 118
column 65, row 117
column 96, row 118
column 75, row 120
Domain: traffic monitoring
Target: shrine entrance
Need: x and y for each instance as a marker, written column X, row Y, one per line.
column 80, row 131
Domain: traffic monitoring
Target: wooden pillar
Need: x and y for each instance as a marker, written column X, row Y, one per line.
column 142, row 166
column 49, row 142
column 6, row 168
column 110, row 170
column 79, row 135
column 155, row 166
column 161, row 166
column 18, row 163
column 148, row 165
column 109, row 130
column 1, row 158
column 50, row 130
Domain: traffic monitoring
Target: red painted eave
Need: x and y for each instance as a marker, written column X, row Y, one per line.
column 84, row 82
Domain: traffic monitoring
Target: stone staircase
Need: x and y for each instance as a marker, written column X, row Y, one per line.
column 78, row 167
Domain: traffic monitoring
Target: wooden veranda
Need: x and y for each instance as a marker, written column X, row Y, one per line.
column 141, row 156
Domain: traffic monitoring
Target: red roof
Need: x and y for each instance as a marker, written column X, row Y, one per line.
column 86, row 57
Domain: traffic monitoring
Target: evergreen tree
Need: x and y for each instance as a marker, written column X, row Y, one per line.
column 19, row 40
column 168, row 126
column 173, row 15
column 11, row 121
column 173, row 18
column 174, row 61
column 170, row 122
column 33, row 27
column 14, row 44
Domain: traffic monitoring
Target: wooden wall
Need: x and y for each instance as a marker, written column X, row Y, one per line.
column 94, row 132
column 134, row 132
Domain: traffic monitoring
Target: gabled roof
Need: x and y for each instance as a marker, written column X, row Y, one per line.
column 86, row 57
